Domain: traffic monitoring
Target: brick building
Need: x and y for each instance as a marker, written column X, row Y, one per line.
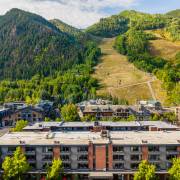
column 96, row 155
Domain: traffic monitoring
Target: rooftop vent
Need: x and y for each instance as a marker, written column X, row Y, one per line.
column 22, row 142
column 144, row 141
column 56, row 142
column 104, row 134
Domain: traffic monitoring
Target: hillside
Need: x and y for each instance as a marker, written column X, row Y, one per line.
column 121, row 79
column 66, row 27
column 29, row 44
column 163, row 47
column 174, row 13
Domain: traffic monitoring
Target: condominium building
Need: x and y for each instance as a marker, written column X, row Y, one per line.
column 96, row 155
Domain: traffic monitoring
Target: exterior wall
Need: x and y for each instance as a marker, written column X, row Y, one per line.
column 13, row 117
column 100, row 157
column 90, row 156
column 144, row 152
column 56, row 152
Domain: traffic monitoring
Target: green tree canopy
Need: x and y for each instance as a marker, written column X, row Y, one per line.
column 20, row 125
column 174, row 171
column 55, row 171
column 14, row 167
column 145, row 171
column 69, row 112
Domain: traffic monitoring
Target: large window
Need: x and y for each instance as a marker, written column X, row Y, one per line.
column 153, row 148
column 135, row 157
column 65, row 149
column 82, row 165
column 135, row 148
column 83, row 158
column 118, row 157
column 118, row 166
column 65, row 157
column 30, row 149
column 47, row 149
column 83, row 149
column 118, row 148
column 154, row 157
column 171, row 148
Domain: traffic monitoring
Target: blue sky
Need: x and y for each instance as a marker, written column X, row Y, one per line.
column 82, row 13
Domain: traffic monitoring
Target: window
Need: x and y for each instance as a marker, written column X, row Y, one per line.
column 83, row 158
column 118, row 157
column 66, row 166
column 118, row 166
column 135, row 148
column 154, row 157
column 153, row 148
column 118, row 148
column 82, row 165
column 65, row 149
column 171, row 148
column 31, row 157
column 64, row 157
column 47, row 149
column 30, row 149
column 169, row 157
column 48, row 158
column 134, row 166
column 83, row 149
column 135, row 158
column 11, row 149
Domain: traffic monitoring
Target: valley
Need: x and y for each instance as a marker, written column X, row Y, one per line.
column 122, row 79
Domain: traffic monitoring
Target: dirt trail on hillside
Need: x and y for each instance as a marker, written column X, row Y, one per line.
column 120, row 78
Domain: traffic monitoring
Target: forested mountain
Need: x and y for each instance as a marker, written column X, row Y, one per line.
column 175, row 13
column 66, row 27
column 78, row 34
column 109, row 27
column 119, row 24
column 29, row 44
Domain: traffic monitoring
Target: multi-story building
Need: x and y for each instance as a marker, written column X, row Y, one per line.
column 118, row 111
column 29, row 113
column 96, row 155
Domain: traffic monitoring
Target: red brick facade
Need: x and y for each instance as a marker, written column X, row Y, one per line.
column 56, row 152
column 100, row 157
column 144, row 152
column 90, row 156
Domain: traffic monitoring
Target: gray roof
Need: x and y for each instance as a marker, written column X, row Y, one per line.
column 83, row 138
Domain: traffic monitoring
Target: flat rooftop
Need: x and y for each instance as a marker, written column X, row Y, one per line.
column 159, row 124
column 83, row 138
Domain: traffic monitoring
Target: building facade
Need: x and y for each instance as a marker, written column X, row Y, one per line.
column 29, row 113
column 96, row 155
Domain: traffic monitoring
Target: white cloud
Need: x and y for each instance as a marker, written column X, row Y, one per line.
column 79, row 13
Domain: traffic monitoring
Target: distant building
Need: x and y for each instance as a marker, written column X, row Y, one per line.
column 177, row 112
column 29, row 113
column 102, row 125
column 118, row 111
column 151, row 104
column 13, row 106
